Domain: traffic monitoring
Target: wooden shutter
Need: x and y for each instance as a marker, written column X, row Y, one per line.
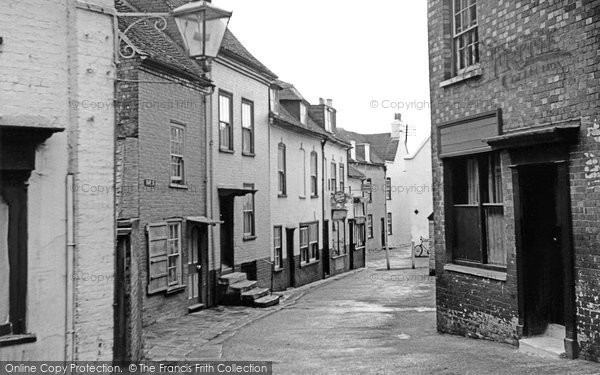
column 157, row 258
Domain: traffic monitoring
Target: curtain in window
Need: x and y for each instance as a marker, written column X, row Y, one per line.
column 472, row 181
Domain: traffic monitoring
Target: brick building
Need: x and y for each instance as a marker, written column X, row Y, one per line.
column 56, row 178
column 515, row 101
column 162, row 247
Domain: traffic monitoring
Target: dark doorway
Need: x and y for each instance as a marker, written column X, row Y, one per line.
column 543, row 276
column 326, row 255
column 122, row 299
column 352, row 244
column 226, row 209
column 289, row 245
column 198, row 265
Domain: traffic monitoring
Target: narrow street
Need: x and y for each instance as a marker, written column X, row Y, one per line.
column 378, row 321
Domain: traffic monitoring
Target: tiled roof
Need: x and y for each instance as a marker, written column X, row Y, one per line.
column 383, row 147
column 231, row 46
column 289, row 92
column 154, row 43
column 284, row 115
column 355, row 173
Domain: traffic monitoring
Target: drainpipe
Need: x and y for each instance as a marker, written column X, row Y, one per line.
column 69, row 290
column 208, row 107
column 323, row 142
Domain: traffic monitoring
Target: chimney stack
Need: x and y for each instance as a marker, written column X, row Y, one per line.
column 321, row 101
column 397, row 126
column 330, row 103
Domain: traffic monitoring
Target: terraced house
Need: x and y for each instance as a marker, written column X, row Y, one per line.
column 515, row 114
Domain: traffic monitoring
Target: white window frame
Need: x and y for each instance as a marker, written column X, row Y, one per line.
column 248, row 126
column 248, row 208
column 457, row 35
column 177, row 225
column 278, row 247
column 388, row 188
column 225, row 123
column 281, row 170
column 314, row 174
column 370, row 233
column 303, row 113
column 177, row 151
column 389, row 224
column 328, row 120
column 304, row 172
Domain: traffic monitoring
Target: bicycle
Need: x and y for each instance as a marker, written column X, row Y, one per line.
column 420, row 247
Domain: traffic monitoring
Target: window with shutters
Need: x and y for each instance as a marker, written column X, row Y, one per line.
column 225, row 121
column 249, row 219
column 247, row 127
column 164, row 257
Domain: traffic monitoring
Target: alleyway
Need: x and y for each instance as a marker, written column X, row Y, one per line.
column 370, row 321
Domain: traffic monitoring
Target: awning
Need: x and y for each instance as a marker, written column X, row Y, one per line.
column 203, row 220
column 18, row 145
column 230, row 191
column 564, row 133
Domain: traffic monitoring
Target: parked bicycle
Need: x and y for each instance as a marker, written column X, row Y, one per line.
column 420, row 248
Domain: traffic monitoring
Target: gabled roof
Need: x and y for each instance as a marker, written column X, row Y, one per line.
column 413, row 154
column 355, row 173
column 289, row 92
column 231, row 46
column 381, row 147
column 288, row 119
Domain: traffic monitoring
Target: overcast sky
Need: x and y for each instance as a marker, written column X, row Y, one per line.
column 366, row 56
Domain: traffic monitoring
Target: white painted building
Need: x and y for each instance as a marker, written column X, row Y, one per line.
column 56, row 180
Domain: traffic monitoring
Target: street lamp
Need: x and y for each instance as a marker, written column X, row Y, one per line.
column 202, row 27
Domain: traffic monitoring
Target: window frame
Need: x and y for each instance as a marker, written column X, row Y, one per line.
column 478, row 200
column 328, row 120
column 304, row 172
column 229, row 125
column 342, row 176
column 333, row 177
column 314, row 174
column 177, row 180
column 179, row 260
column 471, row 30
column 281, row 170
column 249, row 199
column 251, row 151
column 278, row 250
column 390, row 231
column 388, row 188
column 309, row 252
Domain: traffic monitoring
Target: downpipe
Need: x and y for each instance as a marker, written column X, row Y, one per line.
column 69, row 291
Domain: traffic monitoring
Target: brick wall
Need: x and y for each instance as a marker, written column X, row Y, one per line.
column 564, row 87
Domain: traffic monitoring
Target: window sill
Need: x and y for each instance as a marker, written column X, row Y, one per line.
column 278, row 270
column 339, row 256
column 11, row 340
column 178, row 186
column 281, row 196
column 226, row 151
column 471, row 72
column 175, row 290
column 301, row 197
column 249, row 154
column 314, row 197
column 474, row 271
column 249, row 238
column 311, row 263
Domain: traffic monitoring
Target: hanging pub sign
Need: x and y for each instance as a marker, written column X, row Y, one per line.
column 339, row 214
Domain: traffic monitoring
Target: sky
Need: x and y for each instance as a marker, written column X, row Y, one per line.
column 371, row 57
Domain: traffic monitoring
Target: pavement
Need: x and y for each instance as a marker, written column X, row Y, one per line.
column 370, row 321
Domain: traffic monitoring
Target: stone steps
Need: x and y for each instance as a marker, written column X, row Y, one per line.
column 236, row 289
column 549, row 345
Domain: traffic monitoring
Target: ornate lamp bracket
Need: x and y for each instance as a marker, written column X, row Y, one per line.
column 124, row 48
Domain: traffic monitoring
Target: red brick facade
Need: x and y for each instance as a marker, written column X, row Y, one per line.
column 539, row 64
